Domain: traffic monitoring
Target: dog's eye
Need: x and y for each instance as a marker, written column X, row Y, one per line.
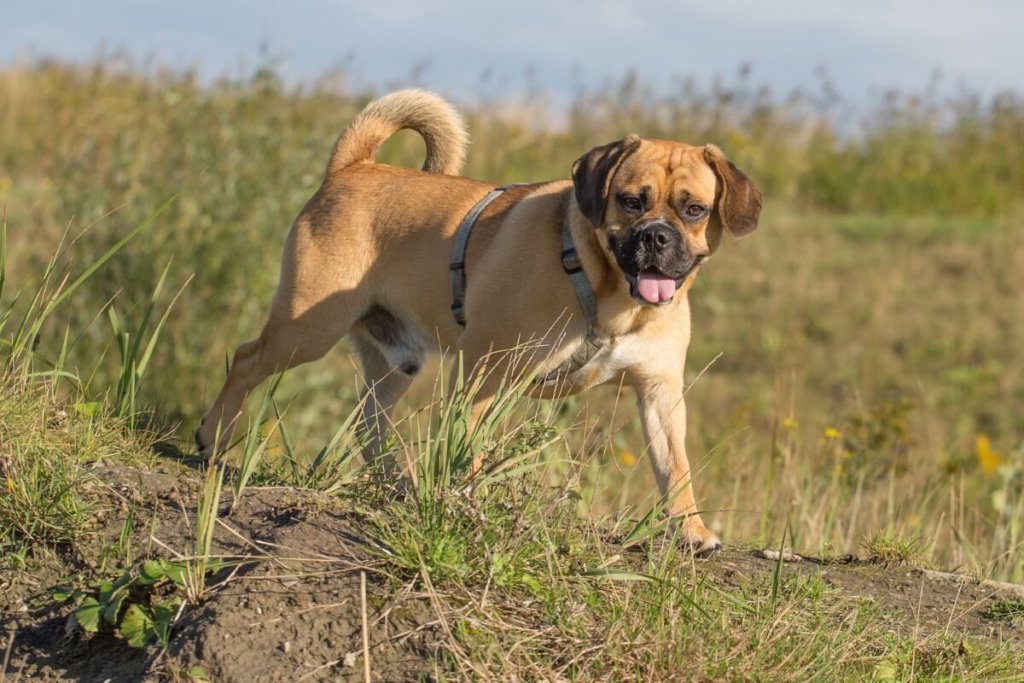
column 695, row 211
column 631, row 203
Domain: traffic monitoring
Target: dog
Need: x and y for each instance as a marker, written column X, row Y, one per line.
column 370, row 258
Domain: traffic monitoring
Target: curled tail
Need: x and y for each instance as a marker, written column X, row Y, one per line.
column 424, row 112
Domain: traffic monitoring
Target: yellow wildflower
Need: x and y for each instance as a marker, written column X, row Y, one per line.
column 626, row 458
column 789, row 423
column 987, row 458
column 831, row 433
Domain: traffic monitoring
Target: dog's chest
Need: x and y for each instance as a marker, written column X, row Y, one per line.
column 593, row 362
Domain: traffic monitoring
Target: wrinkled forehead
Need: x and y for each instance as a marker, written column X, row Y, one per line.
column 667, row 167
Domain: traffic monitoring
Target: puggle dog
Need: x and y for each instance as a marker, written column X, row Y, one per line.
column 370, row 257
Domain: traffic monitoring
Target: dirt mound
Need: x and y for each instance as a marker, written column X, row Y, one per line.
column 286, row 606
column 287, row 602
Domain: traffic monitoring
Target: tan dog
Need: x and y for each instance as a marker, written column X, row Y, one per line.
column 369, row 255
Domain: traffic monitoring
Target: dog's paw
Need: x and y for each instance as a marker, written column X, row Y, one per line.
column 699, row 540
column 204, row 449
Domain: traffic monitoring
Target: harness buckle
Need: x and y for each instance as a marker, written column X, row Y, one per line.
column 459, row 313
column 571, row 261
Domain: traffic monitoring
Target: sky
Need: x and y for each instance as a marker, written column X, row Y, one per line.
column 474, row 49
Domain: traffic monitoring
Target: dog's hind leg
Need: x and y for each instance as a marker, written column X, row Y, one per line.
column 383, row 385
column 285, row 342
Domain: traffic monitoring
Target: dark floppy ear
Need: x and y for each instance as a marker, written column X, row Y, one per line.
column 737, row 199
column 592, row 175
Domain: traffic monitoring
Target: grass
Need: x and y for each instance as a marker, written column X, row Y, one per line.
column 890, row 550
column 864, row 377
column 46, row 447
column 1007, row 610
column 861, row 354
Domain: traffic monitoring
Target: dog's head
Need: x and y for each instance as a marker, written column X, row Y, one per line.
column 660, row 207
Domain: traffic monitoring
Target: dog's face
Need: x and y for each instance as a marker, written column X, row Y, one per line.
column 660, row 207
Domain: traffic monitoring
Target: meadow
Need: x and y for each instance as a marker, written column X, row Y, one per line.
column 856, row 376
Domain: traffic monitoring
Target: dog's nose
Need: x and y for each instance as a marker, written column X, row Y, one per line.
column 656, row 237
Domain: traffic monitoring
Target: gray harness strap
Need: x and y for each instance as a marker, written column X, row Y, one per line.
column 570, row 264
column 458, row 265
column 593, row 342
column 574, row 269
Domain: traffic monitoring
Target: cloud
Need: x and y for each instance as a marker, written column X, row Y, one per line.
column 864, row 45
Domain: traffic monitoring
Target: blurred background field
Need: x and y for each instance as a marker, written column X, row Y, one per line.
column 864, row 345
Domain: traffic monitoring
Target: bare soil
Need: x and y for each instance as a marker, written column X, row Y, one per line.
column 293, row 610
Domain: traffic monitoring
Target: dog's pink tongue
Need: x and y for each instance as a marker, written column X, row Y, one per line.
column 655, row 288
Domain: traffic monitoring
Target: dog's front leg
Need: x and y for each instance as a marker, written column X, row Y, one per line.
column 663, row 413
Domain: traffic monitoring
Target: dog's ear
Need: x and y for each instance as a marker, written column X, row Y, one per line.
column 737, row 199
column 592, row 175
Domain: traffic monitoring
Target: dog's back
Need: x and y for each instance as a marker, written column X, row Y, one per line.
column 434, row 119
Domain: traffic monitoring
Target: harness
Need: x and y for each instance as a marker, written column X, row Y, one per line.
column 592, row 343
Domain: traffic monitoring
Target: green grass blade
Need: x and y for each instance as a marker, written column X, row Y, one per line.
column 155, row 334
column 98, row 263
column 777, row 570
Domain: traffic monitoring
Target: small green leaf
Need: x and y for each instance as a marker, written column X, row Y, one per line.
column 113, row 605
column 175, row 571
column 137, row 626
column 123, row 580
column 62, row 595
column 530, row 582
column 164, row 614
column 88, row 614
column 103, row 588
column 885, row 671
column 151, row 572
column 197, row 673
column 89, row 409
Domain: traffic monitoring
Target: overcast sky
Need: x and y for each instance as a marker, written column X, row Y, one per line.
column 863, row 46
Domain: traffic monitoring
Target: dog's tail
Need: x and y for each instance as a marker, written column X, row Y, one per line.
column 424, row 112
